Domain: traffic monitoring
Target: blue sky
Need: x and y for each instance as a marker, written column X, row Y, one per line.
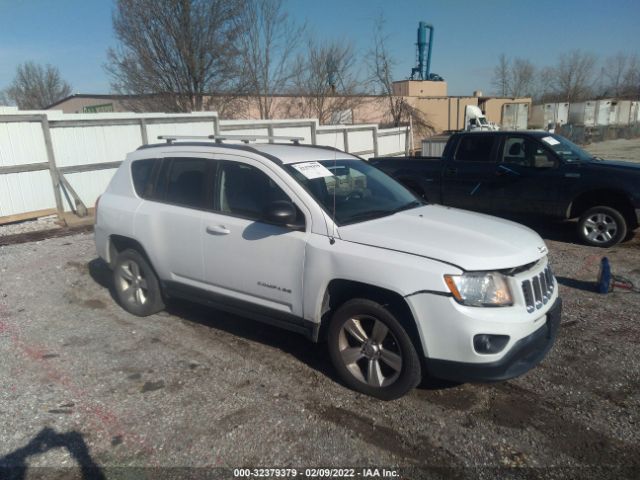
column 469, row 35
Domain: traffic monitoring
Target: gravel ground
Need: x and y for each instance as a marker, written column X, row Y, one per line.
column 619, row 149
column 194, row 387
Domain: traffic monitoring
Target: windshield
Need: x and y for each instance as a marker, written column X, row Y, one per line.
column 567, row 150
column 352, row 190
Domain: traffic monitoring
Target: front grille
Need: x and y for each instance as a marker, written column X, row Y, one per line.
column 538, row 290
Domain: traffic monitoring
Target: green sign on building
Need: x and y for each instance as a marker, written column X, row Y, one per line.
column 105, row 107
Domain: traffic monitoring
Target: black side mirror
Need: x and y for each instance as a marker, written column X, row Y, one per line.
column 281, row 212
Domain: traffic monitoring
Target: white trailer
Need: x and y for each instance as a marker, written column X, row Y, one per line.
column 515, row 116
column 606, row 112
column 583, row 113
column 548, row 115
column 628, row 112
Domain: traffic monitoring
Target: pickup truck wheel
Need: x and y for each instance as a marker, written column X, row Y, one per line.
column 136, row 284
column 602, row 227
column 371, row 350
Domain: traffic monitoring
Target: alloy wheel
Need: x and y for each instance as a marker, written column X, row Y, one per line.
column 370, row 351
column 600, row 228
column 131, row 282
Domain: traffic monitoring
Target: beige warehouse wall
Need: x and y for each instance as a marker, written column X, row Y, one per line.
column 443, row 112
column 420, row 88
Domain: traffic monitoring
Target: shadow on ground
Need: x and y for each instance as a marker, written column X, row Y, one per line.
column 13, row 466
column 315, row 355
column 577, row 284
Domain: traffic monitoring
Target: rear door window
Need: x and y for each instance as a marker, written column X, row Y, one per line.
column 475, row 148
column 186, row 181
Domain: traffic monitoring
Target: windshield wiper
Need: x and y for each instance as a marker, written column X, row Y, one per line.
column 371, row 214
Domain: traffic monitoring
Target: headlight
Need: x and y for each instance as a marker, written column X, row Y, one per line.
column 480, row 289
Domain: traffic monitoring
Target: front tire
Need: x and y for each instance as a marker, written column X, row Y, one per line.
column 371, row 351
column 136, row 284
column 602, row 226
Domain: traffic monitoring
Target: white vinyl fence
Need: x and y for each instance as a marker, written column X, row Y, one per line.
column 53, row 162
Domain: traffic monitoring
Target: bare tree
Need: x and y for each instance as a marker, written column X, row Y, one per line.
column 268, row 43
column 614, row 72
column 326, row 79
column 173, row 54
column 4, row 100
column 381, row 66
column 36, row 87
column 502, row 76
column 621, row 76
column 573, row 76
column 631, row 80
column 543, row 85
column 522, row 78
column 513, row 78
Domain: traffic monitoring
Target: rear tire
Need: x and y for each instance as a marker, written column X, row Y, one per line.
column 602, row 226
column 136, row 284
column 371, row 351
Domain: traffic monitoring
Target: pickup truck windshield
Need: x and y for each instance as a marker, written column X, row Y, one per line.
column 567, row 150
column 352, row 190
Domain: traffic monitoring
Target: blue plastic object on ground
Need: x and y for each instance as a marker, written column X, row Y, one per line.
column 604, row 278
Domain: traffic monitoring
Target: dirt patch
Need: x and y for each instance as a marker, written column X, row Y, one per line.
column 386, row 438
column 152, row 386
column 43, row 234
column 94, row 304
column 461, row 398
column 517, row 408
column 233, row 420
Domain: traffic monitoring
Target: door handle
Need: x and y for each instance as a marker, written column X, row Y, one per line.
column 218, row 230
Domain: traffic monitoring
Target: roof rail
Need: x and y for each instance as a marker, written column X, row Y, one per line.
column 220, row 138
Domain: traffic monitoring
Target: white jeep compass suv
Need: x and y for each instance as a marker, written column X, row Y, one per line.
column 318, row 241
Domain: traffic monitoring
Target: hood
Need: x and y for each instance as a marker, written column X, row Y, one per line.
column 469, row 240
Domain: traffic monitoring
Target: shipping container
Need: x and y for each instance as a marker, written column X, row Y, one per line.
column 606, row 112
column 627, row 112
column 515, row 116
column 583, row 113
column 549, row 115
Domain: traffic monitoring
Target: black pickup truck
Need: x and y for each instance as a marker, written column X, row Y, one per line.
column 531, row 173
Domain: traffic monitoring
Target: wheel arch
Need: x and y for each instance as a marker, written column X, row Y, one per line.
column 120, row 243
column 607, row 197
column 339, row 291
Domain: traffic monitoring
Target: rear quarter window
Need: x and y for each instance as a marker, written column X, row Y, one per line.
column 141, row 171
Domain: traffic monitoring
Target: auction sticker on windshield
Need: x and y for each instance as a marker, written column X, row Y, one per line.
column 312, row 170
column 550, row 140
